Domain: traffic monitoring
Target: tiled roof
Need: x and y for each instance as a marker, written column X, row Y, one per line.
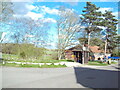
column 95, row 49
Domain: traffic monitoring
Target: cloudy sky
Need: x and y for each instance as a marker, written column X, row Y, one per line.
column 48, row 11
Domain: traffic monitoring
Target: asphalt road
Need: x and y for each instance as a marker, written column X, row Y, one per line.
column 76, row 77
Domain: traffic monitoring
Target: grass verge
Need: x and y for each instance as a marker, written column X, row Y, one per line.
column 97, row 63
column 39, row 61
column 33, row 66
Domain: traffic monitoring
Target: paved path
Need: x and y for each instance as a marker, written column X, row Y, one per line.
column 76, row 77
column 114, row 67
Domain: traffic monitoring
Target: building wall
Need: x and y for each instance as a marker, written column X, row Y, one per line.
column 100, row 55
column 68, row 55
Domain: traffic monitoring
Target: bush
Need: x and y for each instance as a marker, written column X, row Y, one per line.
column 55, row 57
column 52, row 55
column 22, row 54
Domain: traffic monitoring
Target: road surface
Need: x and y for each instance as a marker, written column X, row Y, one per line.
column 72, row 77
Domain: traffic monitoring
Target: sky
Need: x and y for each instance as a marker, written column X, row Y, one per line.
column 48, row 12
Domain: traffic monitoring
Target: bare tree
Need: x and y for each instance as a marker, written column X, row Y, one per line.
column 6, row 10
column 68, row 25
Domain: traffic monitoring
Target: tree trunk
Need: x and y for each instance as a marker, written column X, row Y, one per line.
column 59, row 55
column 88, row 39
column 105, row 47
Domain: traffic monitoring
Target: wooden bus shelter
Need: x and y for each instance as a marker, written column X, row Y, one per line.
column 78, row 53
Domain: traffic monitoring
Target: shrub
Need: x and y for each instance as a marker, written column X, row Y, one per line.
column 22, row 54
column 54, row 56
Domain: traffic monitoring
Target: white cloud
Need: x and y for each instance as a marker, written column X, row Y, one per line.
column 80, row 15
column 51, row 45
column 34, row 16
column 49, row 10
column 115, row 14
column 21, row 8
column 30, row 7
column 103, row 9
column 49, row 20
column 103, row 0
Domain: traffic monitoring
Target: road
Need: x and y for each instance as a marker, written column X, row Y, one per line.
column 72, row 77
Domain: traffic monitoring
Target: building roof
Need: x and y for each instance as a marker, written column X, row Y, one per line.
column 95, row 49
column 78, row 48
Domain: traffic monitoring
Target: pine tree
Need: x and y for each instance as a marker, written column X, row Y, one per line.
column 110, row 24
column 91, row 19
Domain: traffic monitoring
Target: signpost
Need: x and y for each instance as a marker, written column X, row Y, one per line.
column 1, row 45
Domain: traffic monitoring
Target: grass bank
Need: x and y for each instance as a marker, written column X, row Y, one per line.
column 16, row 58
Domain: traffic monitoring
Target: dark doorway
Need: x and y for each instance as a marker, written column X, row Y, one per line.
column 78, row 56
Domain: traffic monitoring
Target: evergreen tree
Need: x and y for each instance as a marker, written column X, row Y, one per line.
column 91, row 19
column 110, row 24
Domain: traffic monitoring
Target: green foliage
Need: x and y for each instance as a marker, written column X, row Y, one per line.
column 50, row 55
column 54, row 56
column 91, row 18
column 9, row 48
column 116, row 52
column 22, row 54
column 110, row 23
column 16, row 58
column 97, row 63
column 83, row 40
column 97, row 42
column 113, row 62
column 23, row 50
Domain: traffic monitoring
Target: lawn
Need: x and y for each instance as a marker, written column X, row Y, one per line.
column 10, row 56
column 33, row 66
column 39, row 61
column 97, row 63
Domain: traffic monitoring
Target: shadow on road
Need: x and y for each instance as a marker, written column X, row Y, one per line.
column 96, row 78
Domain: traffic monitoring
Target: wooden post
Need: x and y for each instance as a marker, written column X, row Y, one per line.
column 83, row 57
column 89, row 39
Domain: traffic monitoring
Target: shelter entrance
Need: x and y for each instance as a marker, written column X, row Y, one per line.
column 78, row 56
